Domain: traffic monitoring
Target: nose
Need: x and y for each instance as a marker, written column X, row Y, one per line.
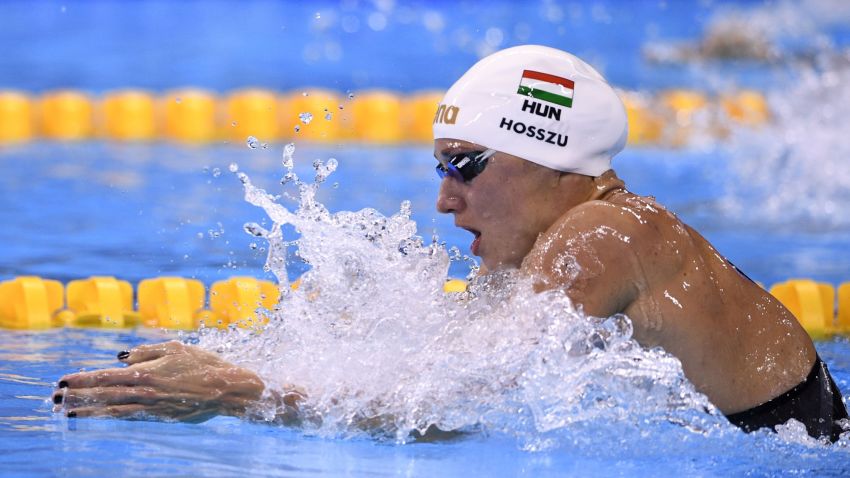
column 449, row 198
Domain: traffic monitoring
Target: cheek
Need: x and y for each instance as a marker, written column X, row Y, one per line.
column 492, row 203
column 498, row 194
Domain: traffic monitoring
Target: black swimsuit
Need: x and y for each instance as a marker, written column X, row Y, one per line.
column 816, row 402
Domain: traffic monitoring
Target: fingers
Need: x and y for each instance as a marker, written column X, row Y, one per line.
column 132, row 403
column 104, row 378
column 105, row 396
column 122, row 411
column 146, row 353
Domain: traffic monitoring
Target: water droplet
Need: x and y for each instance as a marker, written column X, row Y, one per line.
column 340, row 107
column 350, row 95
column 200, row 235
column 255, row 229
column 305, row 94
column 318, row 15
column 297, row 128
column 288, row 152
column 233, row 123
column 216, row 172
column 233, row 167
column 329, row 116
column 336, row 185
column 290, row 176
column 178, row 100
column 253, row 245
column 252, row 142
column 306, row 118
column 265, row 145
column 405, row 208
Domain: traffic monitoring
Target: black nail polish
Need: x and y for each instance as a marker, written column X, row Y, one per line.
column 57, row 399
column 122, row 355
column 72, row 414
column 63, row 384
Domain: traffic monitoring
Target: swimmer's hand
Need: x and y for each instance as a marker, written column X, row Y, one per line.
column 168, row 380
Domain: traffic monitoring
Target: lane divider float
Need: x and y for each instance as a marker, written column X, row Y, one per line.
column 33, row 303
column 814, row 306
column 30, row 302
column 197, row 116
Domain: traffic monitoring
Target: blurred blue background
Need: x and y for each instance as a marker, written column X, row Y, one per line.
column 347, row 44
column 135, row 210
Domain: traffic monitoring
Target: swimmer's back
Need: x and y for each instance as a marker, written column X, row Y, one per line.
column 737, row 344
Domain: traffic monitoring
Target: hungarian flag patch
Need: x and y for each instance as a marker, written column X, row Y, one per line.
column 546, row 87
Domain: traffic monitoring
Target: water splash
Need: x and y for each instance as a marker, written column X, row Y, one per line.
column 379, row 348
column 793, row 173
column 782, row 29
column 772, row 33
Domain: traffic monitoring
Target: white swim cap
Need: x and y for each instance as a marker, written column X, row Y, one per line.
column 540, row 104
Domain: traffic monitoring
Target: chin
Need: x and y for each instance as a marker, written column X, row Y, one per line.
column 495, row 265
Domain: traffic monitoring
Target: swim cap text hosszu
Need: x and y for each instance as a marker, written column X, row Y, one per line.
column 540, row 104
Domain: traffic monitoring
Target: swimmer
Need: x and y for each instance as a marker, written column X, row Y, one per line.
column 735, row 39
column 524, row 142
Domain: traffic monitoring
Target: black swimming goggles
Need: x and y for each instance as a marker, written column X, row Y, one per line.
column 465, row 166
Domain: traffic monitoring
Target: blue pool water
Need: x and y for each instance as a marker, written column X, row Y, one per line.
column 39, row 443
column 92, row 216
column 143, row 211
column 774, row 201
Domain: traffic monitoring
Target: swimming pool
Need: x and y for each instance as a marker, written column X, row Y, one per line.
column 146, row 210
column 36, row 443
column 203, row 238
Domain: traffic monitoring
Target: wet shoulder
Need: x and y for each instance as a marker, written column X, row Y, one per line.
column 619, row 227
column 626, row 213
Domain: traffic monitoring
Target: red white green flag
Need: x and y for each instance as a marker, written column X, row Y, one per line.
column 546, row 87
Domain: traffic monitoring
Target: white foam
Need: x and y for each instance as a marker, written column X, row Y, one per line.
column 377, row 345
column 794, row 172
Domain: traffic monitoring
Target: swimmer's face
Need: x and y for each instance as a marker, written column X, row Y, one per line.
column 505, row 207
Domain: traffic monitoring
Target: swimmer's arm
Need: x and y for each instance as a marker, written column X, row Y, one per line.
column 172, row 381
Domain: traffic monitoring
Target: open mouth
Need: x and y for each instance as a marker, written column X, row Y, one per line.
column 476, row 242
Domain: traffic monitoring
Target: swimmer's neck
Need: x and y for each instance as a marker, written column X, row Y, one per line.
column 601, row 188
column 605, row 185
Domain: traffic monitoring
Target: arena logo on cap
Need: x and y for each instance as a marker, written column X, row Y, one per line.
column 546, row 87
column 446, row 114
